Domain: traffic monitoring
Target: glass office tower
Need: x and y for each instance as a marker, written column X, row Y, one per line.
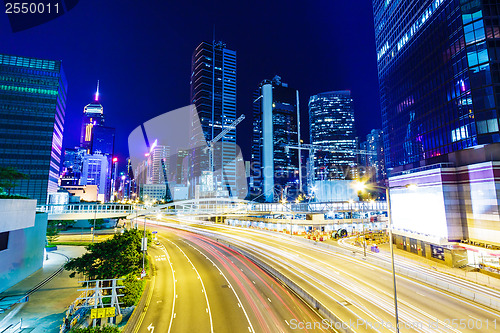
column 439, row 75
column 275, row 169
column 213, row 92
column 32, row 108
column 331, row 123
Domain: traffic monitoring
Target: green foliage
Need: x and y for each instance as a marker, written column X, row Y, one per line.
column 9, row 178
column 60, row 224
column 113, row 258
column 52, row 235
column 98, row 223
column 104, row 329
column 132, row 291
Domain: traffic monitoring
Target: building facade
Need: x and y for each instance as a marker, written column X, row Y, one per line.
column 213, row 92
column 440, row 92
column 373, row 162
column 331, row 123
column 32, row 109
column 95, row 172
column 276, row 115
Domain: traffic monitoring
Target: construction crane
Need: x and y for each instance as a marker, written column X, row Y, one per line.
column 312, row 148
column 211, row 143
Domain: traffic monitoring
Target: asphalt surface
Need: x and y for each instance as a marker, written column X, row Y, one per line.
column 203, row 286
column 360, row 293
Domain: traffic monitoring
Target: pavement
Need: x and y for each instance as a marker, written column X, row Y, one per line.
column 401, row 255
column 50, row 293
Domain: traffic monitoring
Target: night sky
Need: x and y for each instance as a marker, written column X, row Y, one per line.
column 141, row 53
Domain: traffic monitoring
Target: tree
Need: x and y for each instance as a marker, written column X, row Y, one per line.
column 9, row 178
column 52, row 235
column 113, row 258
column 98, row 223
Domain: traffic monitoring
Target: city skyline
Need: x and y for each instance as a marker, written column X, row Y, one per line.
column 124, row 92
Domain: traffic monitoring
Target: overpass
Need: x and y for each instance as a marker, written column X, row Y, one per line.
column 86, row 211
column 205, row 207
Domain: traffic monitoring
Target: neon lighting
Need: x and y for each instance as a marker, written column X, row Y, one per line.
column 29, row 90
column 88, row 132
column 153, row 146
column 97, row 92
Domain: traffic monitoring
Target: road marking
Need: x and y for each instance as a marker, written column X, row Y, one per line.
column 287, row 322
column 253, row 282
column 269, row 299
column 202, row 285
column 239, row 305
column 173, row 298
column 250, row 328
column 151, row 328
column 175, row 314
column 474, row 318
column 420, row 294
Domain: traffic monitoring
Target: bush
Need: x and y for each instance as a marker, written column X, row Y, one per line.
column 132, row 291
column 104, row 329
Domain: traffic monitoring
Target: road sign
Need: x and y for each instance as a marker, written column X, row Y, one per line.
column 102, row 313
column 155, row 232
column 143, row 273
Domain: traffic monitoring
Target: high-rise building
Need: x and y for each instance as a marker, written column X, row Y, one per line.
column 276, row 113
column 331, row 123
column 32, row 109
column 374, row 162
column 440, row 93
column 72, row 166
column 96, row 139
column 213, row 92
column 95, row 172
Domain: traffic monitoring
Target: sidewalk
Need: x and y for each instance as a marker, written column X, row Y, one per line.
column 404, row 256
column 45, row 308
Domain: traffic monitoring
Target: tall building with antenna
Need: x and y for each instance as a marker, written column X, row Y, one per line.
column 213, row 92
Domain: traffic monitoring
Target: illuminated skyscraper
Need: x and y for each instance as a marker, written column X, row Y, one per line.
column 213, row 92
column 331, row 123
column 32, row 108
column 440, row 94
column 98, row 139
column 275, row 170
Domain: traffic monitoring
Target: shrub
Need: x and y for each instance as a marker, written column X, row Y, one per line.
column 132, row 291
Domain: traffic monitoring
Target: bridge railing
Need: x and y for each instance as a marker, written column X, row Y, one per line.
column 81, row 208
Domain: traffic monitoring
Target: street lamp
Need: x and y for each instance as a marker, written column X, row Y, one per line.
column 361, row 186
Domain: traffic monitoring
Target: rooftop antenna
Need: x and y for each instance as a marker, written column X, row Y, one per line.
column 97, row 92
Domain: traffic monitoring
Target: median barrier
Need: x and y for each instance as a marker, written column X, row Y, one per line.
column 490, row 301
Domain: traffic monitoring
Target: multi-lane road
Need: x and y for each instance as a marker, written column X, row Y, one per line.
column 201, row 285
column 359, row 293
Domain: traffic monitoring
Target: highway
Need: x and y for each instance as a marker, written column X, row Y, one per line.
column 203, row 286
column 358, row 292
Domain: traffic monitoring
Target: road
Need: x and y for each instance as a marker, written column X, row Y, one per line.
column 203, row 286
column 357, row 291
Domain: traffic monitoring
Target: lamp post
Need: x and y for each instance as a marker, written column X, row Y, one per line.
column 388, row 198
column 144, row 244
column 362, row 186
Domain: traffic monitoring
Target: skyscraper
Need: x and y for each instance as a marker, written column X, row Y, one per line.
column 331, row 123
column 375, row 162
column 97, row 139
column 440, row 93
column 276, row 113
column 213, row 92
column 32, row 109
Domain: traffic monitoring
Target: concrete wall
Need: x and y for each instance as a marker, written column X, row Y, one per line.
column 24, row 254
column 16, row 214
